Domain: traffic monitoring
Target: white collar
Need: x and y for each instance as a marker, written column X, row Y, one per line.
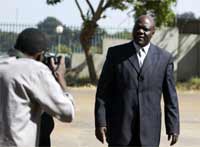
column 146, row 48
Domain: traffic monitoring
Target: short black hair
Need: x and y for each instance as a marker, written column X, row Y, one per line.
column 31, row 41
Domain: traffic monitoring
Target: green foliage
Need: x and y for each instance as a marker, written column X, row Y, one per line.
column 52, row 2
column 96, row 49
column 64, row 49
column 161, row 9
column 187, row 16
column 115, row 4
column 49, row 25
column 76, row 81
column 124, row 34
column 7, row 40
column 69, row 36
column 90, row 18
column 195, row 81
column 192, row 84
column 120, row 4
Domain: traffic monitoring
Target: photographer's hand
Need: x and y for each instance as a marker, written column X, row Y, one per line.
column 59, row 72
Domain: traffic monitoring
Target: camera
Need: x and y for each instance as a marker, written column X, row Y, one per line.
column 48, row 56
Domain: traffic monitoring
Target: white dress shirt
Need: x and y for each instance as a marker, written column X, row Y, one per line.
column 26, row 88
column 141, row 52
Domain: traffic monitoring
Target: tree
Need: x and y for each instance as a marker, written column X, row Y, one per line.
column 48, row 26
column 69, row 35
column 160, row 9
column 64, row 49
column 89, row 26
column 7, row 40
column 186, row 16
column 188, row 23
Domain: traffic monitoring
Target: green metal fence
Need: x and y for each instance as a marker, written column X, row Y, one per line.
column 8, row 35
column 69, row 39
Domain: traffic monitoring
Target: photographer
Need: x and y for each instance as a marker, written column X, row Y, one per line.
column 28, row 88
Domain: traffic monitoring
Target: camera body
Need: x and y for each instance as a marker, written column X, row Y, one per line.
column 48, row 56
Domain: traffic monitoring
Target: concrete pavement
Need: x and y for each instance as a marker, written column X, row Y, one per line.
column 80, row 133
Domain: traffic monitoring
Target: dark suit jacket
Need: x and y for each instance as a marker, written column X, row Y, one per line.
column 128, row 99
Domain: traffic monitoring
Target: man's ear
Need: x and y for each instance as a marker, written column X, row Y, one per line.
column 153, row 30
column 38, row 56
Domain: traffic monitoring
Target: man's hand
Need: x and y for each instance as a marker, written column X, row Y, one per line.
column 173, row 138
column 59, row 72
column 100, row 133
column 59, row 68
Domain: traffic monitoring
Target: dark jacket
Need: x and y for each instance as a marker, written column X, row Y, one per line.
column 128, row 99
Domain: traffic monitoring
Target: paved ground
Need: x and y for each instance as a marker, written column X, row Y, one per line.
column 80, row 133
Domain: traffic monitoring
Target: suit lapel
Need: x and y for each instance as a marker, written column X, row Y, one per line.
column 133, row 59
column 149, row 61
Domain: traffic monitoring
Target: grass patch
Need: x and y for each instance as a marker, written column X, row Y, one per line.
column 192, row 84
column 77, row 82
column 73, row 81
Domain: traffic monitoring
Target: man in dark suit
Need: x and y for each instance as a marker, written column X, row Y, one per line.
column 128, row 98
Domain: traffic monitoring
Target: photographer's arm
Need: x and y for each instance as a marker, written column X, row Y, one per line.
column 54, row 97
column 59, row 73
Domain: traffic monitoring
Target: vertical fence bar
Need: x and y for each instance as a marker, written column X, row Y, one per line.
column 9, row 32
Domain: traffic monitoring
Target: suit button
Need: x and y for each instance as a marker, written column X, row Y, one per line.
column 141, row 78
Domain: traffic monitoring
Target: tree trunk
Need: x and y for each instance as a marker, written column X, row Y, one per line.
column 91, row 67
column 87, row 32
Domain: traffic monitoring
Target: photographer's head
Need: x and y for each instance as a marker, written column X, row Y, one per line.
column 31, row 42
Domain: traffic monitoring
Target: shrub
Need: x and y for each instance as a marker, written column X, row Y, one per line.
column 76, row 81
column 192, row 84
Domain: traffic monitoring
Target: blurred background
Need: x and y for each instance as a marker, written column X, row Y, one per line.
column 82, row 30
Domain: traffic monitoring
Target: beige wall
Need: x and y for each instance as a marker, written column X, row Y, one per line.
column 166, row 38
column 99, row 59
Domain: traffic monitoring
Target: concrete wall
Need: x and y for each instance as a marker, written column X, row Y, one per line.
column 99, row 59
column 166, row 38
column 189, row 65
column 184, row 47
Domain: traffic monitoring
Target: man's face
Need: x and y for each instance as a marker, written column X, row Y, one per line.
column 143, row 31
